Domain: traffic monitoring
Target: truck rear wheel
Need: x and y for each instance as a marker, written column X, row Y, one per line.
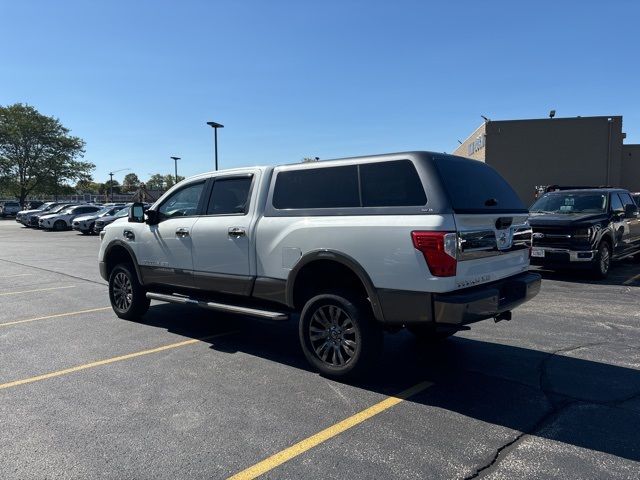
column 128, row 298
column 339, row 336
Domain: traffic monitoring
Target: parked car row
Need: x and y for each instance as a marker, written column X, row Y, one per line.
column 84, row 218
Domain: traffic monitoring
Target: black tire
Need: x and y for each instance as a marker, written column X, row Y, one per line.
column 428, row 334
column 602, row 262
column 59, row 225
column 339, row 336
column 127, row 296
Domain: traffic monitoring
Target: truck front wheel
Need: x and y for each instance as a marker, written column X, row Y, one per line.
column 602, row 262
column 127, row 296
column 339, row 336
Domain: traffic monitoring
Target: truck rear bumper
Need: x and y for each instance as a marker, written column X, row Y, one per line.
column 462, row 306
column 485, row 301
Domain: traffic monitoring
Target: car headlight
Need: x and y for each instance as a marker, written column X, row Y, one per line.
column 582, row 233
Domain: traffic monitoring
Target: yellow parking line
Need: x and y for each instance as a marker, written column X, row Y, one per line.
column 631, row 280
column 36, row 290
column 57, row 315
column 66, row 371
column 308, row 443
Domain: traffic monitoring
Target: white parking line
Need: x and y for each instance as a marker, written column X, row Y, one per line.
column 16, row 275
column 631, row 280
column 57, row 315
column 35, row 290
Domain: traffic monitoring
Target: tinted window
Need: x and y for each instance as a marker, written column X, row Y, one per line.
column 391, row 184
column 626, row 199
column 229, row 195
column 473, row 186
column 616, row 204
column 333, row 187
column 182, row 203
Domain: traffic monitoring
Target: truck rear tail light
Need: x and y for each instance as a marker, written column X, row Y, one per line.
column 439, row 250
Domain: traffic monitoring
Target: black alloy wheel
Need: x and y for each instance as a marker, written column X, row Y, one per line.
column 602, row 263
column 339, row 336
column 127, row 296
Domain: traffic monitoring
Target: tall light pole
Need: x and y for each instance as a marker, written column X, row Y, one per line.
column 111, row 180
column 215, row 127
column 175, row 161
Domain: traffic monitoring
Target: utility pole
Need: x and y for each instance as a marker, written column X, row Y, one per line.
column 111, row 181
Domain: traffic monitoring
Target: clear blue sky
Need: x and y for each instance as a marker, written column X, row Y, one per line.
column 138, row 79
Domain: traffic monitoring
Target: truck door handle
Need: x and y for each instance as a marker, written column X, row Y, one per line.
column 182, row 232
column 237, row 232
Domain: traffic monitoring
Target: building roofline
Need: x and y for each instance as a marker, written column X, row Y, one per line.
column 556, row 119
column 471, row 135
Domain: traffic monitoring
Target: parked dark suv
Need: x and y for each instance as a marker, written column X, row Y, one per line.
column 584, row 228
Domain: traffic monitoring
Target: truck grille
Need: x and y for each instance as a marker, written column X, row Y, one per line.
column 551, row 237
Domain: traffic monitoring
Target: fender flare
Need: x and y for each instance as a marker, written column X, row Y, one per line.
column 347, row 261
column 121, row 243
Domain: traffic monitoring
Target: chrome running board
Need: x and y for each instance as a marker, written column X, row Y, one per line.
column 221, row 307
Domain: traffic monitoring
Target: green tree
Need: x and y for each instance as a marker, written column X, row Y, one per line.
column 88, row 186
column 106, row 187
column 155, row 182
column 169, row 180
column 37, row 154
column 130, row 183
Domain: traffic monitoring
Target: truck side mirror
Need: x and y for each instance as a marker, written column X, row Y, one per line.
column 136, row 213
column 630, row 211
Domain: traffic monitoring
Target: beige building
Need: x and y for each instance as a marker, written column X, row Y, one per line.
column 563, row 151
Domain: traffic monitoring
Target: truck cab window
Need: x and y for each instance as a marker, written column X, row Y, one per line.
column 230, row 196
column 182, row 203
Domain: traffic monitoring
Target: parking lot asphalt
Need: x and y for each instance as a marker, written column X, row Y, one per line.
column 187, row 393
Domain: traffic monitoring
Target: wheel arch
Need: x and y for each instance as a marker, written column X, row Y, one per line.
column 119, row 252
column 325, row 257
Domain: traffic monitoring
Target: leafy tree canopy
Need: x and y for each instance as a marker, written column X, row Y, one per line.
column 37, row 153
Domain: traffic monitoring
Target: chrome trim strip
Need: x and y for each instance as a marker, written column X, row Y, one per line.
column 253, row 312
column 476, row 244
column 573, row 254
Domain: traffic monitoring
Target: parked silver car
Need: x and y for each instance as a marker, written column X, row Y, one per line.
column 85, row 223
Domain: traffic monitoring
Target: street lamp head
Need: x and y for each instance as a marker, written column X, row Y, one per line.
column 215, row 125
column 174, row 158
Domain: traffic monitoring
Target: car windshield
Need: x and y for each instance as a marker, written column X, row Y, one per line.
column 568, row 203
column 122, row 213
column 103, row 211
column 58, row 209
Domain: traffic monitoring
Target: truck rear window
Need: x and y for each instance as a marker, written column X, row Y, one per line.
column 475, row 187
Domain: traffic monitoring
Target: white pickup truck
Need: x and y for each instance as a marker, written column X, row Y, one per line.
column 348, row 248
